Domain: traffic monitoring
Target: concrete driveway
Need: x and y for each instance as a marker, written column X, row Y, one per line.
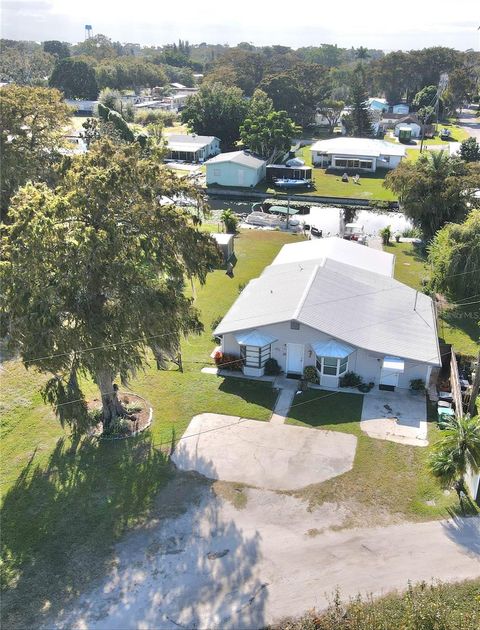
column 217, row 566
column 263, row 454
column 399, row 416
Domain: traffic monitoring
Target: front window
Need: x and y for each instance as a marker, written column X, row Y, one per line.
column 254, row 356
column 331, row 366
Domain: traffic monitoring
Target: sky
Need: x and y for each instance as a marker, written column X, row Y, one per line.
column 413, row 23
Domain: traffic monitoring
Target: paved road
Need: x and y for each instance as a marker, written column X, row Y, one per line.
column 469, row 123
column 218, row 566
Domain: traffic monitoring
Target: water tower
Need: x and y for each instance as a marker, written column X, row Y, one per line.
column 88, row 31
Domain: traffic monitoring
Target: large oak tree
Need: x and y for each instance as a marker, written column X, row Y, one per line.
column 216, row 110
column 93, row 274
column 32, row 129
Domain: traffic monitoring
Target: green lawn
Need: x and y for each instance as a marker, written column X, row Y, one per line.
column 64, row 507
column 458, row 134
column 386, row 478
column 457, row 326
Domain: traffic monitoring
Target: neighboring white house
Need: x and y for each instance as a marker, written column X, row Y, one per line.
column 191, row 148
column 362, row 154
column 376, row 103
column 401, row 108
column 82, row 106
column 411, row 123
column 237, row 168
column 337, row 317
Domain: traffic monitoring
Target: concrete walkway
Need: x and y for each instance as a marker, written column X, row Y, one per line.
column 288, row 388
column 399, row 416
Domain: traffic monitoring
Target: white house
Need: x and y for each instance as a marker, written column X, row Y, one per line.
column 408, row 122
column 336, row 316
column 377, row 103
column 237, row 168
column 80, row 106
column 191, row 148
column 401, row 108
column 362, row 154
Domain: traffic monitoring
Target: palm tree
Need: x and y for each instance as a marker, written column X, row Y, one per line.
column 456, row 452
column 361, row 53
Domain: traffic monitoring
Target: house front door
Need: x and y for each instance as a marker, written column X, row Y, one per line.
column 388, row 379
column 295, row 352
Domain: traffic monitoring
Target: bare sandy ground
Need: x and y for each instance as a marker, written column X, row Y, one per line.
column 250, row 556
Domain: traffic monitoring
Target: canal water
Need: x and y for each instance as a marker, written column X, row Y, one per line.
column 328, row 219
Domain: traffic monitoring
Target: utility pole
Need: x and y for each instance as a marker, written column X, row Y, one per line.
column 288, row 211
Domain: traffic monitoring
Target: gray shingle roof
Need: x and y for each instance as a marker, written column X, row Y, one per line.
column 360, row 307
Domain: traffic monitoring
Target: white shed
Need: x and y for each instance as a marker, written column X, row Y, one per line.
column 237, row 168
column 225, row 244
column 408, row 123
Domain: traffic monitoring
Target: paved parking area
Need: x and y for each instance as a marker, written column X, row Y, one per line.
column 263, row 454
column 399, row 416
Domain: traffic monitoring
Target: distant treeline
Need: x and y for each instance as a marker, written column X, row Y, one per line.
column 324, row 72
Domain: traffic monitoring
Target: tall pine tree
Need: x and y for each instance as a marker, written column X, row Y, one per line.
column 359, row 123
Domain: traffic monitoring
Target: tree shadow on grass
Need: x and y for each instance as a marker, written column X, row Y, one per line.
column 60, row 523
column 59, row 520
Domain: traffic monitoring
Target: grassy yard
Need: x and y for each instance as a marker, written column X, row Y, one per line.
column 331, row 185
column 457, row 134
column 458, row 326
column 176, row 128
column 64, row 505
column 387, row 479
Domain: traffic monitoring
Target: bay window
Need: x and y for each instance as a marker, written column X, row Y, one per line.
column 255, row 356
column 331, row 366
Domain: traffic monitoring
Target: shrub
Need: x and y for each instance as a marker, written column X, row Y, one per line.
column 310, row 374
column 386, row 234
column 365, row 387
column 412, row 232
column 230, row 220
column 228, row 361
column 350, row 379
column 417, row 384
column 95, row 416
column 155, row 117
column 133, row 407
column 120, row 426
column 271, row 367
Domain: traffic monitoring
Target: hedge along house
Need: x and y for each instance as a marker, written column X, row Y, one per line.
column 192, row 148
column 236, row 168
column 336, row 316
column 359, row 154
